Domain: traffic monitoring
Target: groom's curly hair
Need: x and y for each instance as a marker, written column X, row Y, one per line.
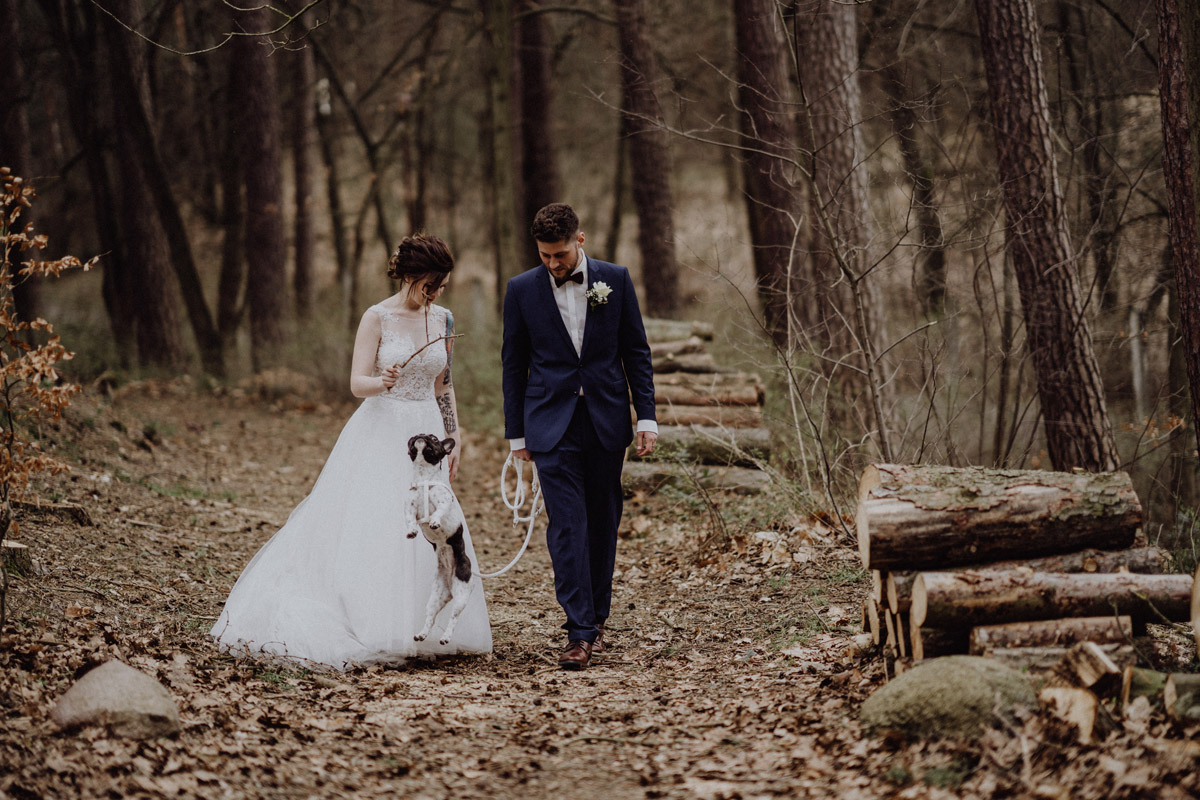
column 419, row 255
column 556, row 222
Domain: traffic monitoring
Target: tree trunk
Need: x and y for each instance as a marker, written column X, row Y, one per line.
column 768, row 134
column 1051, row 633
column 650, row 159
column 963, row 600
column 303, row 136
column 260, row 129
column 1098, row 132
column 827, row 48
column 1077, row 428
column 1179, row 90
column 333, row 194
column 507, row 249
column 78, row 41
column 533, row 127
column 921, row 517
column 232, row 282
column 137, row 122
column 930, row 260
column 156, row 304
column 14, row 140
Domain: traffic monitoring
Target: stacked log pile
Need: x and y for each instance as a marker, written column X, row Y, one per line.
column 710, row 418
column 1013, row 564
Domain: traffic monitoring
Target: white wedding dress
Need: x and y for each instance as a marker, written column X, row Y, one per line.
column 340, row 584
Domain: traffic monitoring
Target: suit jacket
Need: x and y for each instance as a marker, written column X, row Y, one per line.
column 543, row 374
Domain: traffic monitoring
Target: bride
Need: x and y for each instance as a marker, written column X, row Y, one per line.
column 340, row 584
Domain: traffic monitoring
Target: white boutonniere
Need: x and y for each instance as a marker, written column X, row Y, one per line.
column 598, row 294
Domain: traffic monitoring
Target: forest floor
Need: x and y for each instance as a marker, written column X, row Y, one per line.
column 731, row 672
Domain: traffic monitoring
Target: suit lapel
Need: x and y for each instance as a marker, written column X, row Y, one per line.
column 546, row 299
column 589, row 318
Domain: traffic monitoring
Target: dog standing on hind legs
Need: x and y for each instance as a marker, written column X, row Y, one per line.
column 434, row 511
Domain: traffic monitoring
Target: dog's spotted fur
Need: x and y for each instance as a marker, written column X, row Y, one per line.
column 434, row 511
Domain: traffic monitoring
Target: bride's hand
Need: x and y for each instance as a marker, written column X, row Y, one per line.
column 452, row 463
column 390, row 376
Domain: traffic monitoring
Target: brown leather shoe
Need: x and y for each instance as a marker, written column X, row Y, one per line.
column 598, row 646
column 576, row 655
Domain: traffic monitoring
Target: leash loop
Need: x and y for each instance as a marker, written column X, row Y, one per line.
column 516, row 503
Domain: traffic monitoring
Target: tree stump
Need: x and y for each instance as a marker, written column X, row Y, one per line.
column 921, row 517
column 16, row 557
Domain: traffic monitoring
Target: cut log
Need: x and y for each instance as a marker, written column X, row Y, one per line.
column 651, row 476
column 1091, row 666
column 967, row 599
column 900, row 623
column 666, row 330
column 1081, row 709
column 688, row 362
column 877, row 581
column 874, row 623
column 1137, row 682
column 1143, row 560
column 739, row 447
column 923, row 517
column 889, row 628
column 692, row 344
column 1052, row 633
column 718, row 416
column 898, row 589
column 1181, row 696
column 16, row 557
column 1049, row 658
column 716, row 389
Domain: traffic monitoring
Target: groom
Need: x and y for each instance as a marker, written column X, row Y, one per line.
column 574, row 352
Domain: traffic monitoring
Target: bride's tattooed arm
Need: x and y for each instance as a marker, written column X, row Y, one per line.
column 446, row 404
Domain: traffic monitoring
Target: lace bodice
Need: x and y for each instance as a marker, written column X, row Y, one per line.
column 401, row 335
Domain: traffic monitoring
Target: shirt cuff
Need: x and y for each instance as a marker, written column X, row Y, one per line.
column 647, row 426
column 516, row 444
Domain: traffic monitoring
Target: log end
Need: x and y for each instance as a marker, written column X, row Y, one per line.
column 919, row 606
column 1196, row 609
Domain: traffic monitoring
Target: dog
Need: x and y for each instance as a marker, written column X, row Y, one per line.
column 434, row 511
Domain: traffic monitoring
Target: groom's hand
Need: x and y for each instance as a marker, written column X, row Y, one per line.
column 645, row 442
column 522, row 454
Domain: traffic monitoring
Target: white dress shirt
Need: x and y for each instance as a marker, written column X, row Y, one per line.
column 571, row 298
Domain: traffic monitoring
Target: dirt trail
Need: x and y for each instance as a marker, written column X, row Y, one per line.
column 724, row 681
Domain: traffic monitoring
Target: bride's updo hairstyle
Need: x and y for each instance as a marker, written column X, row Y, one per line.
column 421, row 256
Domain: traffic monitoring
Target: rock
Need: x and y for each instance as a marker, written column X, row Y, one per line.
column 955, row 696
column 130, row 703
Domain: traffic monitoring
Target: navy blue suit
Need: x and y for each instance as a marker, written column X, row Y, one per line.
column 578, row 442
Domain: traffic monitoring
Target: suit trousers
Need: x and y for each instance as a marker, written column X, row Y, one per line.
column 581, row 484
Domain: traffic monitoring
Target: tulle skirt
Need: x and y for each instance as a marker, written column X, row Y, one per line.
column 340, row 585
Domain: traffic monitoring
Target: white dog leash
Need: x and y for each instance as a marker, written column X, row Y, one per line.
column 515, row 505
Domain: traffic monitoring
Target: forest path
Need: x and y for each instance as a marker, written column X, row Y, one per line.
column 725, row 680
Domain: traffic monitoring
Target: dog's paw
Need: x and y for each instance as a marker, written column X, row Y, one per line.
column 435, row 526
column 411, row 535
column 420, row 637
column 443, row 641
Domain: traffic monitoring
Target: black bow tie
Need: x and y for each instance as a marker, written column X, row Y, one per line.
column 574, row 277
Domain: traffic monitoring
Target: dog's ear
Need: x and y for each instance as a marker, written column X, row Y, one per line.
column 448, row 444
column 412, row 447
